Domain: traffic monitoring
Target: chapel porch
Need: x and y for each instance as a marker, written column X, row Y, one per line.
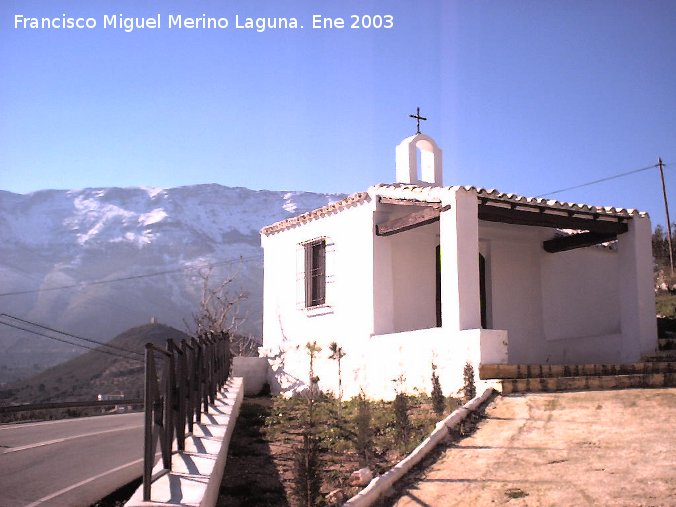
column 474, row 259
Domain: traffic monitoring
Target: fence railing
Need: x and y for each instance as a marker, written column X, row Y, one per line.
column 191, row 375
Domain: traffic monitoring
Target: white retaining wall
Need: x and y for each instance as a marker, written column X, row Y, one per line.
column 254, row 372
column 197, row 472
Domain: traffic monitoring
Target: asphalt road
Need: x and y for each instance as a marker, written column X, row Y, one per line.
column 71, row 462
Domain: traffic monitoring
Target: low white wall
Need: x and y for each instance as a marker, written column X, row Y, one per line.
column 254, row 371
column 381, row 360
column 494, row 346
column 411, row 354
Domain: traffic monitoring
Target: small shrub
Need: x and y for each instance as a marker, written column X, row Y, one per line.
column 307, row 472
column 468, row 376
column 364, row 433
column 438, row 401
column 402, row 423
column 453, row 403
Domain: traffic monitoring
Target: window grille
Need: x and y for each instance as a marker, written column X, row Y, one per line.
column 314, row 272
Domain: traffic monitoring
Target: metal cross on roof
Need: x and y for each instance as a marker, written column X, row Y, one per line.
column 417, row 117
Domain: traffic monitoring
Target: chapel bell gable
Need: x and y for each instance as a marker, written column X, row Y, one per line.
column 430, row 170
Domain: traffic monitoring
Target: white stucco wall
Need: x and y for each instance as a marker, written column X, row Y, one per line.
column 584, row 305
column 348, row 315
column 514, row 285
column 637, row 296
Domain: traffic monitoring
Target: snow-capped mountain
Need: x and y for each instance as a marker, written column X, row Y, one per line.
column 53, row 239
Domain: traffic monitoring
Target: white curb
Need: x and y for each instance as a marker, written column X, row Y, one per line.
column 380, row 485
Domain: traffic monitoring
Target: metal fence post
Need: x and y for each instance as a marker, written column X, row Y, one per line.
column 148, row 444
column 168, row 419
column 191, row 378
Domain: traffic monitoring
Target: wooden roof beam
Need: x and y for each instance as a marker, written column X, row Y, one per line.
column 543, row 219
column 410, row 221
column 408, row 202
column 574, row 241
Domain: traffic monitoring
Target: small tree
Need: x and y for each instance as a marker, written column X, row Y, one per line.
column 468, row 377
column 364, row 435
column 402, row 423
column 219, row 313
column 313, row 349
column 438, row 401
column 337, row 354
column 660, row 246
column 308, row 480
column 219, row 307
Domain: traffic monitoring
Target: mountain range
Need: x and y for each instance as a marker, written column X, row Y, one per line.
column 97, row 261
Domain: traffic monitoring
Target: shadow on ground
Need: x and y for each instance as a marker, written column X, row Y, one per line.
column 250, row 476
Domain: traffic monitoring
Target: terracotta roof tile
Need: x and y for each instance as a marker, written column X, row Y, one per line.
column 334, row 207
column 436, row 194
column 418, row 192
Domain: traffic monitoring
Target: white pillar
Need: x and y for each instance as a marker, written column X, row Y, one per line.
column 383, row 286
column 459, row 239
column 637, row 294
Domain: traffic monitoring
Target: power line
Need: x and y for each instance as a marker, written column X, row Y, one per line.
column 129, row 278
column 620, row 175
column 71, row 343
column 128, row 351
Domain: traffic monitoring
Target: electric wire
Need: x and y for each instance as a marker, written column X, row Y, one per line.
column 601, row 180
column 95, row 349
column 132, row 277
column 256, row 257
column 47, row 328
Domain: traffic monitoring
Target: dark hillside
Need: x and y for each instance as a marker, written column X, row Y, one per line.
column 95, row 372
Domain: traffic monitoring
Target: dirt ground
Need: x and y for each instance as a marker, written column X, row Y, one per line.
column 609, row 448
column 260, row 468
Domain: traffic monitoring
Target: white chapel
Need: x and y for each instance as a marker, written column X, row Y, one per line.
column 413, row 273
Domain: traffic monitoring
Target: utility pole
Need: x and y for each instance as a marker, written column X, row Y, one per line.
column 666, row 208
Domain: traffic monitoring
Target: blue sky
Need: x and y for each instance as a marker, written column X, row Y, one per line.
column 524, row 96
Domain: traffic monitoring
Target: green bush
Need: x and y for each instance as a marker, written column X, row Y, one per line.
column 364, row 434
column 402, row 422
column 469, row 387
column 438, row 401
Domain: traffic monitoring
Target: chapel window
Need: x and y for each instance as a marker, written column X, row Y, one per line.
column 315, row 273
